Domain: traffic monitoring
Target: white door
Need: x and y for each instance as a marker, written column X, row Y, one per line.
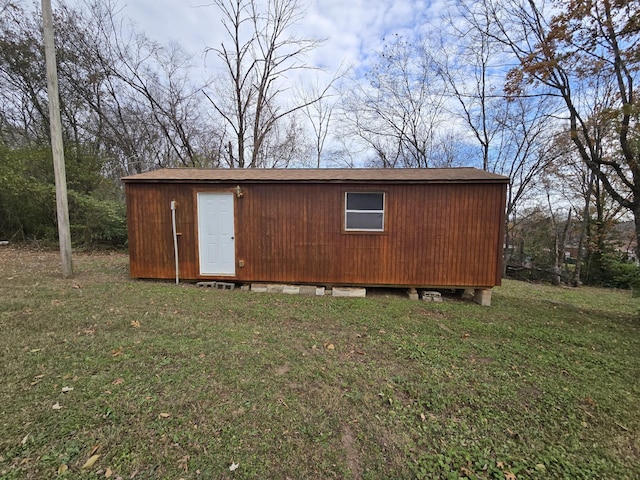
column 216, row 234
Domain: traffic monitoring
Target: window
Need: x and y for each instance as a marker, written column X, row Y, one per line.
column 364, row 212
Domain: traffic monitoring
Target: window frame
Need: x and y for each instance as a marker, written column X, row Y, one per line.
column 346, row 211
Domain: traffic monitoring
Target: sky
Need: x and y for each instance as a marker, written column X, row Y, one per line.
column 353, row 29
column 353, row 34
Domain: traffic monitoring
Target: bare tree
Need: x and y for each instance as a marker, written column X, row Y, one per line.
column 257, row 60
column 124, row 98
column 140, row 79
column 319, row 110
column 287, row 145
column 5, row 5
column 397, row 112
column 22, row 76
column 469, row 63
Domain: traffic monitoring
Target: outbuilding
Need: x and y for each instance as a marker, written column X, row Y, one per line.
column 412, row 228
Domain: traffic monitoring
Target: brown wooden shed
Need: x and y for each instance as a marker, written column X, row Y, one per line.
column 415, row 228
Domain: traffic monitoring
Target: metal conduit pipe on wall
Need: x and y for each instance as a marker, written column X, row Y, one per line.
column 175, row 239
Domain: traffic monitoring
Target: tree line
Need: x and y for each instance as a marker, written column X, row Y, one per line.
column 542, row 92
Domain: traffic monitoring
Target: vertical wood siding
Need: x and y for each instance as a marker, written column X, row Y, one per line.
column 435, row 234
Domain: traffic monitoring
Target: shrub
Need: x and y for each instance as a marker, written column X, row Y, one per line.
column 28, row 200
column 620, row 273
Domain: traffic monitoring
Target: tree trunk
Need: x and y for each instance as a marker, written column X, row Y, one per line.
column 636, row 218
column 584, row 230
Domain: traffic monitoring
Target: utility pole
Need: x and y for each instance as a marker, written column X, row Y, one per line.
column 57, row 149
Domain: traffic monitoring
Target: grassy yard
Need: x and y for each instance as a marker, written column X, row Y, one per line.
column 166, row 381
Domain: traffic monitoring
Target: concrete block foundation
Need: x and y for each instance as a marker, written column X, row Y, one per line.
column 430, row 296
column 259, row 288
column 274, row 288
column 311, row 290
column 349, row 292
column 218, row 285
column 482, row 296
column 291, row 289
column 288, row 289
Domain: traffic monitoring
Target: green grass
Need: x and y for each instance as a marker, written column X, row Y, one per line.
column 180, row 382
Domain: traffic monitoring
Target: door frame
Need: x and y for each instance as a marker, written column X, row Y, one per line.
column 199, row 236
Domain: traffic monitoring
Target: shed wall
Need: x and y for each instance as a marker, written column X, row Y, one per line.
column 435, row 235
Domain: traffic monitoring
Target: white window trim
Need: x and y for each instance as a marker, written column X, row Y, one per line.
column 347, row 211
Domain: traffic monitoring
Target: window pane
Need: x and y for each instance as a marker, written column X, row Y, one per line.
column 364, row 221
column 365, row 201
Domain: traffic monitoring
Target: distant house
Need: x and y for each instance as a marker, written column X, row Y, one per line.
column 413, row 228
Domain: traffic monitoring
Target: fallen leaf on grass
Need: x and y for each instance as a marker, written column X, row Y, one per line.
column 329, row 346
column 116, row 352
column 62, row 469
column 108, row 473
column 67, row 389
column 509, row 475
column 94, row 450
column 466, row 335
column 56, row 406
column 24, row 440
column 164, row 415
column 37, row 379
column 184, row 463
column 135, row 323
column 234, row 466
column 118, row 381
column 91, row 462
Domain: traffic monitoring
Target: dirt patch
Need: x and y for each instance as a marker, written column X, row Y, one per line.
column 353, row 455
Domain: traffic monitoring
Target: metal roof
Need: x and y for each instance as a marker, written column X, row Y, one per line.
column 317, row 175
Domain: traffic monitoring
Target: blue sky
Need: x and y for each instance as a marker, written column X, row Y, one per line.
column 353, row 29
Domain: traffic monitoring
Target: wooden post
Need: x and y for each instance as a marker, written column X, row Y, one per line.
column 57, row 149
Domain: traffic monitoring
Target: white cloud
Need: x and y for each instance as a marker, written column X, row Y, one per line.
column 354, row 30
